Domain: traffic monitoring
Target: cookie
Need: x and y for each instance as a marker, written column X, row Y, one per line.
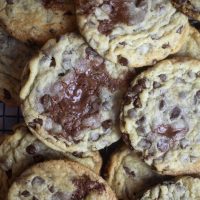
column 72, row 95
column 190, row 8
column 184, row 188
column 37, row 20
column 22, row 150
column 13, row 58
column 60, row 180
column 3, row 185
column 161, row 113
column 128, row 175
column 191, row 48
column 132, row 33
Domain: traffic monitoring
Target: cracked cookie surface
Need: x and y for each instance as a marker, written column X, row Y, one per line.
column 132, row 33
column 60, row 180
column 37, row 20
column 21, row 150
column 129, row 176
column 185, row 188
column 160, row 116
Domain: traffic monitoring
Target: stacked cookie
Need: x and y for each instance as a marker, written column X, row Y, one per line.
column 130, row 73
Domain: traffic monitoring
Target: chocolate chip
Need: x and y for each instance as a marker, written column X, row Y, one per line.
column 145, row 144
column 25, row 193
column 68, row 13
column 156, row 85
column 105, row 27
column 175, row 113
column 142, row 82
column 35, row 123
column 122, row 61
column 46, row 100
column 165, row 46
column 61, row 74
column 141, row 120
column 163, row 77
column 34, row 198
column 107, row 124
column 131, row 113
column 137, row 103
column 53, row 62
column 37, row 181
column 6, row 94
column 163, row 145
column 78, row 154
column 126, row 139
column 51, row 189
column 123, row 43
column 128, row 171
column 161, row 104
column 31, row 149
column 180, row 29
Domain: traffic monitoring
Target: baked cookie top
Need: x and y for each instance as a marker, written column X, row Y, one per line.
column 14, row 55
column 22, row 150
column 60, row 180
column 184, row 188
column 37, row 20
column 191, row 47
column 161, row 113
column 132, row 33
column 189, row 7
column 128, row 175
column 71, row 96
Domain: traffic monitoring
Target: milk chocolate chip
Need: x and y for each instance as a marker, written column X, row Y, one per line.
column 31, row 149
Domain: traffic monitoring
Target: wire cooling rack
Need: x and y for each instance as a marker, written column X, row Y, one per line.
column 9, row 116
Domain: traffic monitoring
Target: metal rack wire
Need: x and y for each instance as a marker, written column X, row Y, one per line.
column 9, row 116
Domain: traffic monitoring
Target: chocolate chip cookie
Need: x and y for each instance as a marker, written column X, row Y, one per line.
column 72, row 95
column 3, row 185
column 132, row 33
column 61, row 180
column 37, row 20
column 191, row 48
column 184, row 188
column 161, row 113
column 189, row 7
column 129, row 176
column 13, row 58
column 21, row 150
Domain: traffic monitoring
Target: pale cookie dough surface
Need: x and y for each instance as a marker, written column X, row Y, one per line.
column 21, row 150
column 189, row 7
column 3, row 185
column 61, row 180
column 132, row 33
column 161, row 113
column 13, row 57
column 191, row 48
column 71, row 96
column 37, row 20
column 186, row 188
column 129, row 176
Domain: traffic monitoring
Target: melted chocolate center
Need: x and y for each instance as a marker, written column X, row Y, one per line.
column 78, row 98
